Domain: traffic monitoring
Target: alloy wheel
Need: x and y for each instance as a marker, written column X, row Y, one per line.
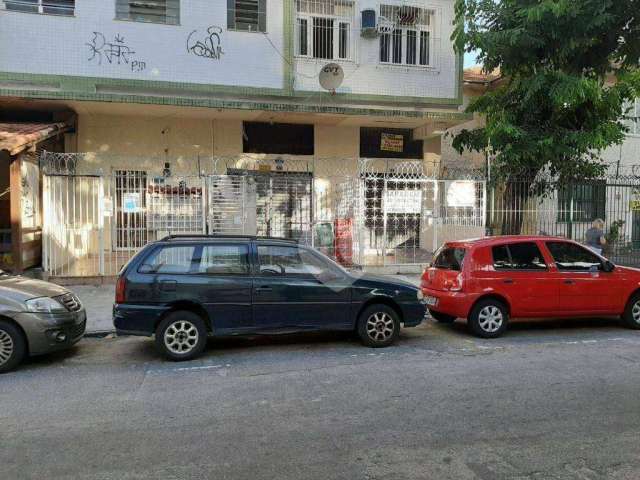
column 181, row 337
column 6, row 347
column 635, row 312
column 490, row 319
column 380, row 326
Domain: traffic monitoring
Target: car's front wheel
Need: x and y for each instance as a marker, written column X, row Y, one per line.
column 631, row 315
column 442, row 317
column 13, row 346
column 378, row 326
column 489, row 318
column 182, row 335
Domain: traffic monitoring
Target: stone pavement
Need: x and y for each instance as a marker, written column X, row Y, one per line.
column 98, row 300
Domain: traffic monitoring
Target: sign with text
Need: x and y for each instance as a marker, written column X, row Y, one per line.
column 391, row 143
column 403, row 201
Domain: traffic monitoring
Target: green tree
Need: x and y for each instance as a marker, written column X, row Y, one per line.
column 570, row 68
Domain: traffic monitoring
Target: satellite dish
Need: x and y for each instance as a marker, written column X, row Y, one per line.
column 331, row 76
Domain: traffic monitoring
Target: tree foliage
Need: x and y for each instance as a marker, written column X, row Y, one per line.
column 570, row 69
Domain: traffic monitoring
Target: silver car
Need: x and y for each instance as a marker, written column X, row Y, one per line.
column 36, row 317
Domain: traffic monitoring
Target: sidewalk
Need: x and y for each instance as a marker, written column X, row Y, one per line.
column 98, row 300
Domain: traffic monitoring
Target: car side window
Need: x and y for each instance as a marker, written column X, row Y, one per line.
column 224, row 260
column 285, row 260
column 518, row 256
column 170, row 259
column 571, row 257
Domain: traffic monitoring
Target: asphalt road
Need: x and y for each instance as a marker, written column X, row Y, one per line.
column 552, row 400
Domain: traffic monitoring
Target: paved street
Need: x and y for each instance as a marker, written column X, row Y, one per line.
column 550, row 400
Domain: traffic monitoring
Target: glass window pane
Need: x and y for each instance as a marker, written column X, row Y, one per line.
column 302, row 36
column 411, row 47
column 569, row 256
column 397, row 46
column 344, row 41
column 30, row 6
column 224, row 259
column 450, row 259
column 322, row 38
column 424, row 48
column 526, row 256
column 282, row 260
column 170, row 259
column 385, row 41
column 501, row 260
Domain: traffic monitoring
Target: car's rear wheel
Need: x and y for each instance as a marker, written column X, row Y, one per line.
column 13, row 346
column 182, row 335
column 489, row 318
column 631, row 315
column 378, row 326
column 442, row 317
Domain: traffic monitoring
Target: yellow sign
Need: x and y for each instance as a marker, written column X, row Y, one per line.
column 264, row 168
column 391, row 143
column 634, row 205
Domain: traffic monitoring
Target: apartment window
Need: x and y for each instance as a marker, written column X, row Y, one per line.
column 582, row 202
column 247, row 15
column 633, row 118
column 52, row 7
column 410, row 42
column 151, row 11
column 324, row 29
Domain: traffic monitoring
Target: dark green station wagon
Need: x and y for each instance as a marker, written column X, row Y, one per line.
column 184, row 289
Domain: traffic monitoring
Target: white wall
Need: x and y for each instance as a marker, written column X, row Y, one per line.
column 47, row 44
column 57, row 45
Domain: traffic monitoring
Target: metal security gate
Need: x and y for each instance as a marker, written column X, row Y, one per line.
column 407, row 214
column 381, row 213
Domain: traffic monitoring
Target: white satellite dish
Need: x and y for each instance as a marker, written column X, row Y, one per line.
column 331, row 76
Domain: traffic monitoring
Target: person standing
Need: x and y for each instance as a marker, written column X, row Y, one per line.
column 595, row 236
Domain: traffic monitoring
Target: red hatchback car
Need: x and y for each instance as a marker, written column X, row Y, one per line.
column 489, row 280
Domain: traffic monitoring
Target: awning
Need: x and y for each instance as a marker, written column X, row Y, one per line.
column 16, row 137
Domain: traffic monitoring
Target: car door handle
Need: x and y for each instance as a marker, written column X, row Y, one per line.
column 264, row 288
column 508, row 280
column 569, row 282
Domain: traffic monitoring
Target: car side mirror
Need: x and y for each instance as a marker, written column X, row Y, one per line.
column 608, row 266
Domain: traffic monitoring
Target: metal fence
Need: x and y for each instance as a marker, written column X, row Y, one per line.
column 361, row 212
column 568, row 208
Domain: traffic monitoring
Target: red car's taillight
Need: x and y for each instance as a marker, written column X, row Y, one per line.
column 121, row 286
column 456, row 285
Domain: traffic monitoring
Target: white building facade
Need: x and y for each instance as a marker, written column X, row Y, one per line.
column 167, row 88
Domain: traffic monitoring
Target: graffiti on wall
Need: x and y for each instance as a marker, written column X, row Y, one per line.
column 115, row 52
column 207, row 45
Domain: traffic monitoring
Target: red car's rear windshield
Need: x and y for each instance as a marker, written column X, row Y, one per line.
column 450, row 258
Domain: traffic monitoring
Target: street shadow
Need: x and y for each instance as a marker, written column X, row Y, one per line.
column 300, row 340
column 48, row 359
column 562, row 326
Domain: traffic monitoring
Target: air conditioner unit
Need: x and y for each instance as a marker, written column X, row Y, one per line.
column 369, row 27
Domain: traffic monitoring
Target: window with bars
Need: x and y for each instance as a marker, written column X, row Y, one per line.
column 410, row 42
column 324, row 29
column 247, row 15
column 632, row 120
column 52, row 7
column 152, row 11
